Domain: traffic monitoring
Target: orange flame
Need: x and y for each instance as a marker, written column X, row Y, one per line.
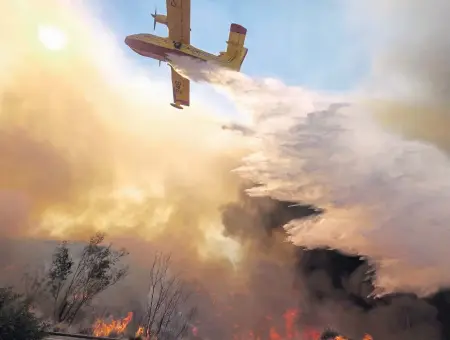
column 273, row 335
column 366, row 337
column 101, row 328
column 290, row 331
column 140, row 331
column 289, row 318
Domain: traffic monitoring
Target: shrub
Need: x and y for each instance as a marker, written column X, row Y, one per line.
column 17, row 321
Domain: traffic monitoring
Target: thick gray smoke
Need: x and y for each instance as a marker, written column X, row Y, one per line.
column 337, row 293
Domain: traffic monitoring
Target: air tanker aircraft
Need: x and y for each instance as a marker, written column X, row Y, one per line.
column 178, row 21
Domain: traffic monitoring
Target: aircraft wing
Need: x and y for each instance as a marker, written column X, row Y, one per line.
column 181, row 89
column 179, row 20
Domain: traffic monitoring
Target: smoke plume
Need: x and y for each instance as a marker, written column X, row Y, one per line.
column 379, row 167
column 87, row 144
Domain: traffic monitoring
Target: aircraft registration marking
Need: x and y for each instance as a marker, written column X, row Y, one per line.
column 177, row 86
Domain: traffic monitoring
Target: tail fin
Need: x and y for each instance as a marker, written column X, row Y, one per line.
column 236, row 52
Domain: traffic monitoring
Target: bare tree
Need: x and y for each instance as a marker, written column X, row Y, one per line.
column 73, row 284
column 167, row 314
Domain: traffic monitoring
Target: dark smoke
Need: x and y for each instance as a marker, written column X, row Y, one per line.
column 246, row 219
column 267, row 289
column 336, row 291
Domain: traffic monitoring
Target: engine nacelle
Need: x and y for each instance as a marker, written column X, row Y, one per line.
column 159, row 18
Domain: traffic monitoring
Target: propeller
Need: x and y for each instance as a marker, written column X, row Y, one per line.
column 154, row 17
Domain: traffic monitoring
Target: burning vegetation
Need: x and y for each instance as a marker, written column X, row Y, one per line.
column 290, row 332
column 114, row 327
column 324, row 290
column 93, row 150
column 272, row 332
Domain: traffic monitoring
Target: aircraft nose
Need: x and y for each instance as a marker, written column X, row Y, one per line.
column 128, row 40
column 131, row 41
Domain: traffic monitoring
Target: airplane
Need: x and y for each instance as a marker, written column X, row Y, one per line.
column 178, row 22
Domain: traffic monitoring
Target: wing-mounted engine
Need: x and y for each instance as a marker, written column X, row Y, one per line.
column 158, row 18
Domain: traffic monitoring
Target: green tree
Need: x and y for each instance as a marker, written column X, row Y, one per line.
column 17, row 321
column 74, row 284
column 59, row 272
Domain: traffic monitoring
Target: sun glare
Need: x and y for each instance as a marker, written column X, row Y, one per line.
column 52, row 37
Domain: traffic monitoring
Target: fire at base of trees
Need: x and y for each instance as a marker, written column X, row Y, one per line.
column 167, row 314
column 62, row 291
column 72, row 284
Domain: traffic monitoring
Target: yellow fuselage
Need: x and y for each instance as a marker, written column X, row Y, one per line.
column 159, row 48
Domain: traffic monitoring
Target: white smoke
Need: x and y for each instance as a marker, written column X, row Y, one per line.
column 377, row 166
column 384, row 197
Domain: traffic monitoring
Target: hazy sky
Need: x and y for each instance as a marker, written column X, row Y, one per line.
column 306, row 43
